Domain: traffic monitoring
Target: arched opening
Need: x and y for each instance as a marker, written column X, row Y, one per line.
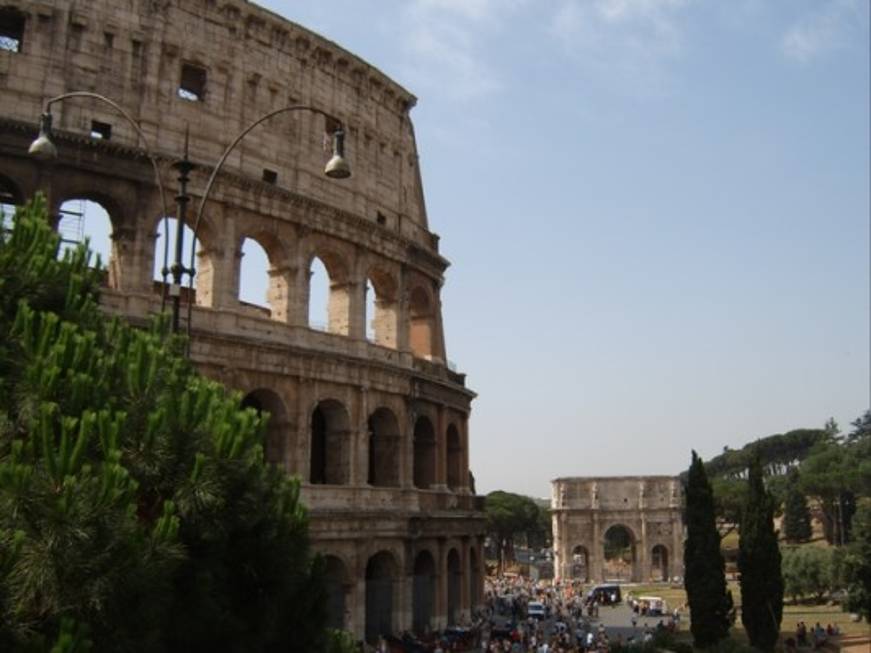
column 384, row 443
column 266, row 401
column 424, row 453
column 329, row 299
column 422, row 324
column 380, row 574
column 423, row 592
column 581, row 564
column 619, row 550
column 382, row 309
column 455, row 580
column 337, row 586
column 330, row 444
column 254, row 277
column 474, row 578
column 80, row 219
column 10, row 199
column 455, row 458
column 659, row 563
column 164, row 244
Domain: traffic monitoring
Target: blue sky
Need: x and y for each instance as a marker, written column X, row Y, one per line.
column 657, row 214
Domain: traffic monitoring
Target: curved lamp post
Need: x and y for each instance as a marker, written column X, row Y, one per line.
column 44, row 149
column 337, row 168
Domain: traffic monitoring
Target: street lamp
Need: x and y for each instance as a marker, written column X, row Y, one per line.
column 43, row 149
column 336, row 168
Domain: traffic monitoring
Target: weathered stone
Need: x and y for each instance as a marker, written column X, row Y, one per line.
column 377, row 431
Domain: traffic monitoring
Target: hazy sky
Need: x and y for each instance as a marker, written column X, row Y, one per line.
column 657, row 214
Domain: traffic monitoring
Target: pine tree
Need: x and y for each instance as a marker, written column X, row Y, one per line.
column 796, row 516
column 136, row 509
column 759, row 562
column 705, row 578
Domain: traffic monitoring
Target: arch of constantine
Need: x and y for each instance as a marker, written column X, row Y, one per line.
column 364, row 408
column 627, row 528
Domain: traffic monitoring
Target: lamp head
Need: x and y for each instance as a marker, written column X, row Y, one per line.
column 337, row 167
column 42, row 148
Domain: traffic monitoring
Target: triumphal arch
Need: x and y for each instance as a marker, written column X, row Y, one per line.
column 626, row 528
column 364, row 405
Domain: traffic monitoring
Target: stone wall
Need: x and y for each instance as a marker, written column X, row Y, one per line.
column 647, row 508
column 378, row 430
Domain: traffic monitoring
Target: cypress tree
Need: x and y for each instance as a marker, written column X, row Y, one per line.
column 759, row 564
column 705, row 578
column 796, row 516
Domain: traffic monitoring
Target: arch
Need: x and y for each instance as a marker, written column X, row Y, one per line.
column 455, row 457
column 380, row 594
column 382, row 308
column 619, row 553
column 10, row 198
column 424, row 453
column 337, row 587
column 88, row 217
column 423, row 592
column 334, row 292
column 581, row 563
column 267, row 401
column 474, row 578
column 421, row 315
column 384, row 446
column 205, row 269
column 659, row 563
column 455, row 580
column 330, row 444
column 263, row 283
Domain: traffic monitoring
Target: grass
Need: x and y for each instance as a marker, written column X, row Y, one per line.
column 809, row 613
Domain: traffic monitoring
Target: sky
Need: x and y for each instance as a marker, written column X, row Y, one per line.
column 656, row 213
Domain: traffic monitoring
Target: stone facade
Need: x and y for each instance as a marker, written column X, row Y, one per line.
column 377, row 429
column 646, row 508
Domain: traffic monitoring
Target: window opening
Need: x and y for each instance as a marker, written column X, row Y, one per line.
column 7, row 208
column 80, row 219
column 254, row 274
column 319, row 293
column 193, row 83
column 11, row 30
column 270, row 176
column 101, row 130
column 108, row 40
column 187, row 239
column 381, row 218
column 370, row 311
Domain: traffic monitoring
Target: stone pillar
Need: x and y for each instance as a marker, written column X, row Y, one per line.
column 597, row 571
column 465, row 598
column 360, row 445
column 440, row 480
column 282, row 283
column 440, row 609
column 403, row 321
column 357, row 624
column 644, row 558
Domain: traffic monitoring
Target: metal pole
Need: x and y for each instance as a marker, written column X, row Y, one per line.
column 184, row 167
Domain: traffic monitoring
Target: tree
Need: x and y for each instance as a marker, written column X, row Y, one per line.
column 759, row 562
column 808, row 571
column 509, row 515
column 136, row 509
column 705, row 578
column 857, row 564
column 796, row 516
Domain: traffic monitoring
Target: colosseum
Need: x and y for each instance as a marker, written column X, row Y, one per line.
column 364, row 408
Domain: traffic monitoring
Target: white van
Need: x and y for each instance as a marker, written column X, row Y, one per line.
column 535, row 610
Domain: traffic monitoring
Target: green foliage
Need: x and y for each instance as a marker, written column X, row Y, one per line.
column 136, row 511
column 705, row 579
column 808, row 571
column 759, row 562
column 857, row 564
column 340, row 641
column 780, row 452
column 796, row 516
column 508, row 516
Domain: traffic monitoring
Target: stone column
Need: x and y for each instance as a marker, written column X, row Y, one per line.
column 282, row 283
column 440, row 609
column 465, row 598
column 597, row 571
column 644, row 558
